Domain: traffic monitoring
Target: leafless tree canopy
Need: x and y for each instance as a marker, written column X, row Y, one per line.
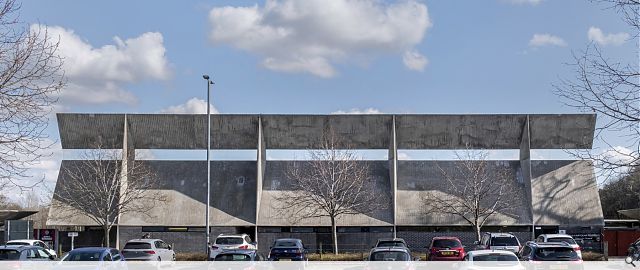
column 333, row 183
column 611, row 89
column 98, row 189
column 30, row 77
column 474, row 191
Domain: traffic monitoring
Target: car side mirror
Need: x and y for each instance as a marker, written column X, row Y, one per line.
column 51, row 257
column 169, row 247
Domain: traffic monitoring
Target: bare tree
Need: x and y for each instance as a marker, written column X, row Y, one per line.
column 102, row 187
column 474, row 191
column 611, row 89
column 30, row 77
column 334, row 182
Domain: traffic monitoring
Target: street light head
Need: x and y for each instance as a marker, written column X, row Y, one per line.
column 206, row 77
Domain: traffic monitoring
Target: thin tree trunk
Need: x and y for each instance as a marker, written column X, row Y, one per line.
column 106, row 229
column 477, row 229
column 334, row 235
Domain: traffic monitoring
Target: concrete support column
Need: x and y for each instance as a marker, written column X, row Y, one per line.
column 260, row 162
column 393, row 172
column 128, row 156
column 525, row 169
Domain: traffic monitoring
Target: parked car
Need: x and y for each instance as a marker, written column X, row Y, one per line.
column 445, row 249
column 238, row 255
column 231, row 242
column 390, row 254
column 491, row 259
column 148, row 250
column 500, row 241
column 391, row 242
column 89, row 254
column 24, row 253
column 288, row 249
column 31, row 242
column 555, row 238
column 533, row 251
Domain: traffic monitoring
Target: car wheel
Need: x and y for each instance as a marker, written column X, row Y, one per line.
column 174, row 256
column 159, row 259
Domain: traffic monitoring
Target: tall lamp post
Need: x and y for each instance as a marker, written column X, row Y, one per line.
column 209, row 83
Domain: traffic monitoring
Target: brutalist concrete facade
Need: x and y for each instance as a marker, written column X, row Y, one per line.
column 556, row 194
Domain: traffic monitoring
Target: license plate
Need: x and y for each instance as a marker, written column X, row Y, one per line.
column 559, row 267
column 446, row 253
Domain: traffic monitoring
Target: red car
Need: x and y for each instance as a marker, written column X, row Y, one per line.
column 445, row 249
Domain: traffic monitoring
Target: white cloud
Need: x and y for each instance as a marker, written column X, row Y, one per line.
column 98, row 75
column 596, row 35
column 530, row 2
column 192, row 106
column 414, row 60
column 311, row 36
column 359, row 111
column 539, row 40
column 618, row 154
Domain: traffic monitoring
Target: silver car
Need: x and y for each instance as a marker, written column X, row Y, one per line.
column 148, row 250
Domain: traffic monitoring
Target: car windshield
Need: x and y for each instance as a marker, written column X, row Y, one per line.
column 229, row 241
column 286, row 244
column 446, row 243
column 495, row 258
column 389, row 256
column 567, row 240
column 83, row 256
column 233, row 257
column 556, row 253
column 18, row 244
column 137, row 245
column 390, row 244
column 9, row 254
column 504, row 241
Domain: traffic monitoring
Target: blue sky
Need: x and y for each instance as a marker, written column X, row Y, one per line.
column 492, row 56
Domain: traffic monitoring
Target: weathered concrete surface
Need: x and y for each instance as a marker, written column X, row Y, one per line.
column 562, row 131
column 491, row 131
column 416, row 179
column 276, row 182
column 233, row 196
column 86, row 131
column 306, row 131
column 565, row 192
column 500, row 131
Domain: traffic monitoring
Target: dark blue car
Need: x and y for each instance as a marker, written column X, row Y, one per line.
column 101, row 254
column 288, row 249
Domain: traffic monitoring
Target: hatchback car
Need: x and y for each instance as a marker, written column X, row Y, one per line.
column 500, row 241
column 231, row 242
column 148, row 250
column 391, row 242
column 238, row 256
column 288, row 249
column 445, row 249
column 88, row 254
column 556, row 238
column 390, row 254
column 533, row 251
column 24, row 253
column 31, row 242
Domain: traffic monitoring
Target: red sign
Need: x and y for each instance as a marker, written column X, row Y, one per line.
column 45, row 234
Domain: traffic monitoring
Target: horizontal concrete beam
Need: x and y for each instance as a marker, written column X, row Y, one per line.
column 171, row 131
